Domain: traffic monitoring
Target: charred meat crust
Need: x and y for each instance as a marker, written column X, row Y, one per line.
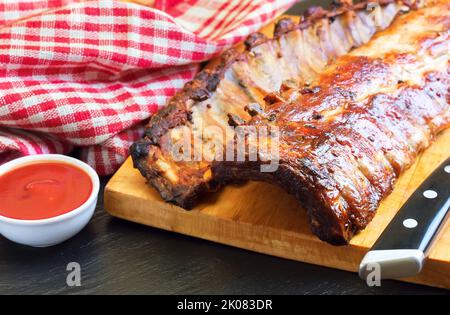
column 332, row 220
column 324, row 223
column 176, row 113
column 336, row 217
column 177, row 195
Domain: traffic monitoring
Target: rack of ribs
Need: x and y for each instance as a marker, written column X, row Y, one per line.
column 354, row 95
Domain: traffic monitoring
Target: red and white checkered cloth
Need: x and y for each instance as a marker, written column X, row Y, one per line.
column 90, row 73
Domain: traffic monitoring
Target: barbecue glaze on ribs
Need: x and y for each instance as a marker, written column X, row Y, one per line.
column 353, row 110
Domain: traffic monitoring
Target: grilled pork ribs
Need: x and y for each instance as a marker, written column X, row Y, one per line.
column 352, row 109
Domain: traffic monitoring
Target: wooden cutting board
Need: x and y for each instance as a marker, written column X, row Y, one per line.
column 263, row 218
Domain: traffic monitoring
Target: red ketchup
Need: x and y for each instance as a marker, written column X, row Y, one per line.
column 43, row 190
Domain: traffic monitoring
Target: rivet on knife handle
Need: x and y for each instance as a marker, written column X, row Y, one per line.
column 401, row 249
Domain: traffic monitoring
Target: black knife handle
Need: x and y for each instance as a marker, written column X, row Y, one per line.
column 419, row 220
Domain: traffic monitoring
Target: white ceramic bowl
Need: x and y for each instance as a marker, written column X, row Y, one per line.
column 51, row 231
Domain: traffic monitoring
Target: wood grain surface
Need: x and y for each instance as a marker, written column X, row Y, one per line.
column 263, row 218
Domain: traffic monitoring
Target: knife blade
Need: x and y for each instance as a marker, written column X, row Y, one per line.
column 402, row 248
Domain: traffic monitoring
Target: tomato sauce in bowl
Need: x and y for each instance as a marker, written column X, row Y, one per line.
column 43, row 190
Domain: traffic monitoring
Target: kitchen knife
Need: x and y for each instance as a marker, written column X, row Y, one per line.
column 401, row 249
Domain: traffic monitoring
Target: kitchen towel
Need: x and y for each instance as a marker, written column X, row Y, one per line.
column 89, row 74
